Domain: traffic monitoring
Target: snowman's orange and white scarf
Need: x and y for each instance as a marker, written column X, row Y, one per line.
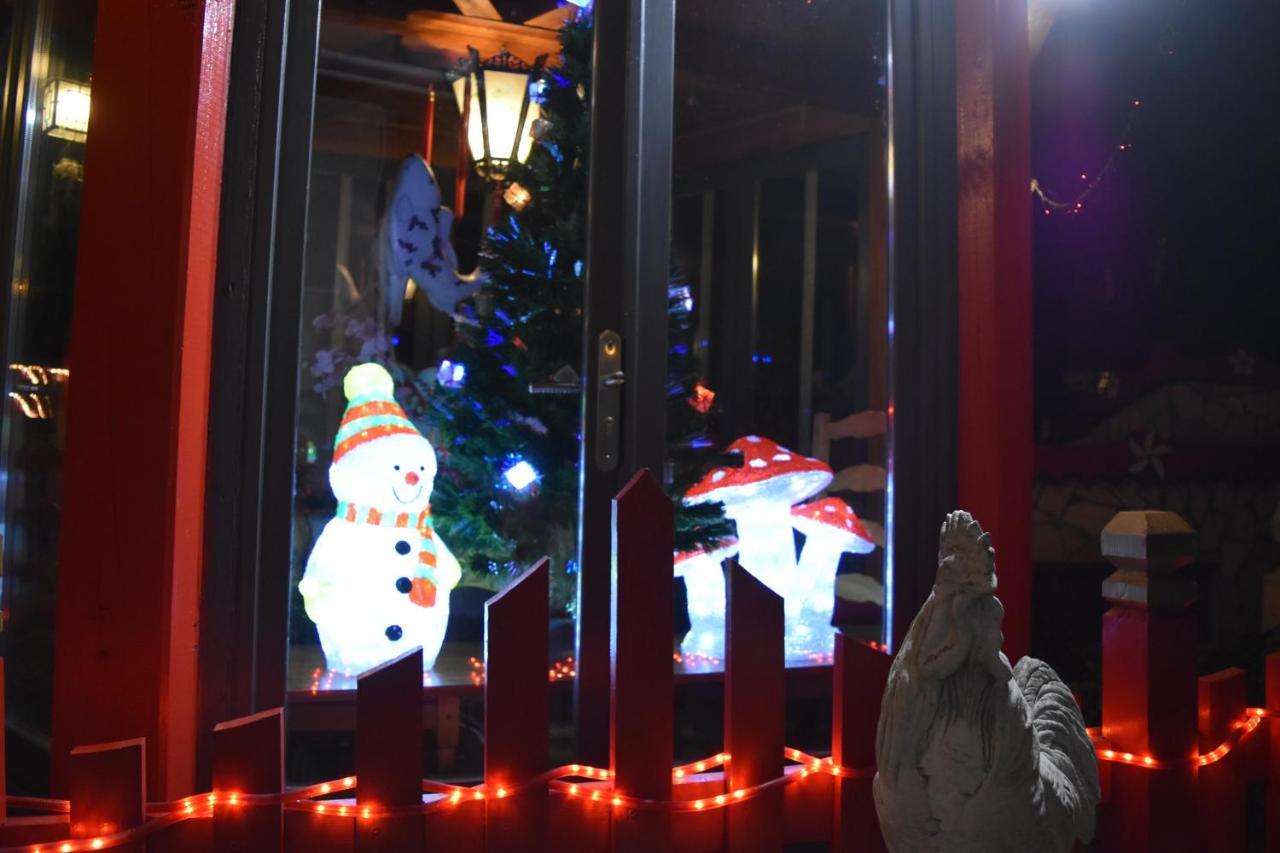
column 423, row 592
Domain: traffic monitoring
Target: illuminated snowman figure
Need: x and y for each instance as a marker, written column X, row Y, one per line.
column 378, row 579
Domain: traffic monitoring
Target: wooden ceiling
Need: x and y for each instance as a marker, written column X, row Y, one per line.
column 752, row 76
column 438, row 32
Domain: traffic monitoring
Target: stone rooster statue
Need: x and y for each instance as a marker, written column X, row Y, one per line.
column 975, row 756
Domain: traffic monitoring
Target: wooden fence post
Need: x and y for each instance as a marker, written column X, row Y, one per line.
column 1149, row 692
column 641, row 736
column 1273, row 754
column 3, row 769
column 1221, row 786
column 107, row 786
column 859, row 678
column 248, row 758
column 389, row 754
column 754, row 710
column 516, row 712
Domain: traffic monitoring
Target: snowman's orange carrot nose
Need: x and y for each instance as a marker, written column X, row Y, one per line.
column 411, row 478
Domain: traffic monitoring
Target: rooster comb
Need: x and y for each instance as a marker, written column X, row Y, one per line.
column 965, row 553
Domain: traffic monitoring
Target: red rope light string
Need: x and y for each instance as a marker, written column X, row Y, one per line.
column 596, row 787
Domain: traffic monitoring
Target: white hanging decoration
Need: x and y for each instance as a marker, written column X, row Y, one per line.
column 377, row 581
column 417, row 244
column 830, row 528
column 758, row 498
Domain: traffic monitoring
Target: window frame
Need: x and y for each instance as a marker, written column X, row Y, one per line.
column 244, row 601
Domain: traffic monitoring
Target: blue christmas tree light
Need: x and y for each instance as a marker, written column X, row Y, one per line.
column 451, row 374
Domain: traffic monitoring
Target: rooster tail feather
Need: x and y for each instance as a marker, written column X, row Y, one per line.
column 1068, row 764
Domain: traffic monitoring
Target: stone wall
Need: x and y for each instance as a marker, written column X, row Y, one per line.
column 1238, row 521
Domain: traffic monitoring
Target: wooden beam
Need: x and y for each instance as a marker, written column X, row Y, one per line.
column 478, row 9
column 995, row 442
column 554, row 19
column 130, row 555
column 448, row 36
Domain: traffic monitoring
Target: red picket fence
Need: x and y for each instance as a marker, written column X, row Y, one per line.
column 756, row 795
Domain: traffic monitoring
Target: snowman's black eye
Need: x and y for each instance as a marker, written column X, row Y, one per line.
column 397, row 467
column 422, row 467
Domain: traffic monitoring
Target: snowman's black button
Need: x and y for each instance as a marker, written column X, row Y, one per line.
column 403, row 547
column 394, row 632
column 403, row 585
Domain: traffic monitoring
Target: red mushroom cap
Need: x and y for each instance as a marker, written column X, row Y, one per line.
column 769, row 473
column 719, row 552
column 832, row 516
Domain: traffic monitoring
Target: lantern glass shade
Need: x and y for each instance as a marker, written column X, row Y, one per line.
column 501, row 112
column 66, row 110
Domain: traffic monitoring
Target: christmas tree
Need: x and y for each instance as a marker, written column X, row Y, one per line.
column 507, row 411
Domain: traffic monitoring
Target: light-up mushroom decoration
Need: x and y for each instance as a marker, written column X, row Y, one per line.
column 758, row 497
column 703, row 575
column 830, row 529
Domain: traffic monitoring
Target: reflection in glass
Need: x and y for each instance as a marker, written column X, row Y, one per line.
column 45, row 121
column 439, row 416
column 779, row 218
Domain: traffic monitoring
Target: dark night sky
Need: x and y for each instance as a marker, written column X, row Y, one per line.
column 1180, row 245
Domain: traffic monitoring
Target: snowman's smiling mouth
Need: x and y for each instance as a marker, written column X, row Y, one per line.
column 417, row 493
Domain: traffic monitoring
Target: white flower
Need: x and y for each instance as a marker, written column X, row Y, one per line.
column 1242, row 363
column 1148, row 453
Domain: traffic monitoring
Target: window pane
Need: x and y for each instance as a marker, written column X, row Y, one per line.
column 439, row 413
column 779, row 229
column 46, row 125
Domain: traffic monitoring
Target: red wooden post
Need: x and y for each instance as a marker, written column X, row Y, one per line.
column 248, row 758
column 132, row 534
column 516, row 712
column 107, row 786
column 3, row 769
column 1273, row 754
column 456, row 829
column 754, row 709
column 641, row 738
column 1149, row 679
column 1220, row 787
column 389, row 754
column 307, row 832
column 994, row 471
column 860, row 675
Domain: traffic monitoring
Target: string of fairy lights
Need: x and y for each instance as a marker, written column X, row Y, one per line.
column 1072, row 203
column 575, row 781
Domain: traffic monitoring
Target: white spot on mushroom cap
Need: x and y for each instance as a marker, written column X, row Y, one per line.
column 717, row 476
column 757, row 463
column 754, row 439
column 828, row 508
column 782, row 457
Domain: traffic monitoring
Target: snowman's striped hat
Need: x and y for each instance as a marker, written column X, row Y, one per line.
column 372, row 411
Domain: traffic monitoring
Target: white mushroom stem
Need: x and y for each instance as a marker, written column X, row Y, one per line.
column 704, row 580
column 816, row 575
column 766, row 545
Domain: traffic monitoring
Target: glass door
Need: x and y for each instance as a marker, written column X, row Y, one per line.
column 44, row 116
column 438, row 428
column 777, row 368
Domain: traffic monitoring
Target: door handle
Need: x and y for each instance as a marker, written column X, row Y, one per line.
column 609, row 399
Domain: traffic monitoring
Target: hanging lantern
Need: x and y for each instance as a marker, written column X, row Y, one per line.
column 66, row 110
column 497, row 110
